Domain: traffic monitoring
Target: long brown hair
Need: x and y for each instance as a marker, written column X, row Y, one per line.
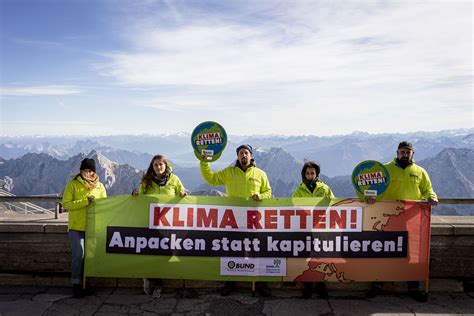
column 147, row 179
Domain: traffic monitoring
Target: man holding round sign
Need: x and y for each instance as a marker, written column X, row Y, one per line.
column 408, row 181
column 243, row 180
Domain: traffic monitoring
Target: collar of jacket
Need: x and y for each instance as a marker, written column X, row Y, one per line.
column 238, row 165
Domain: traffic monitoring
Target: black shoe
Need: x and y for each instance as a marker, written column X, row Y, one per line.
column 263, row 290
column 418, row 296
column 88, row 291
column 77, row 291
column 374, row 291
column 307, row 290
column 228, row 288
column 321, row 290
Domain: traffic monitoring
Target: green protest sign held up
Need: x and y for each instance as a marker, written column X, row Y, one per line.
column 370, row 178
column 208, row 140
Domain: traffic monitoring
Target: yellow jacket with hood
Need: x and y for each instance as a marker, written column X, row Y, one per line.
column 239, row 183
column 411, row 183
column 172, row 187
column 75, row 201
column 321, row 190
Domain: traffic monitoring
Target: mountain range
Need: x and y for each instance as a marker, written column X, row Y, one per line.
column 451, row 172
column 337, row 155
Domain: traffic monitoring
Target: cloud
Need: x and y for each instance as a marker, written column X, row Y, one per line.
column 55, row 128
column 40, row 90
column 312, row 67
column 312, row 42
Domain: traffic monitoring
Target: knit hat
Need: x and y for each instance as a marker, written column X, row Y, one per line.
column 88, row 163
column 247, row 146
column 405, row 144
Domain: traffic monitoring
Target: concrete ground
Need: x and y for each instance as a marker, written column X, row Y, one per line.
column 131, row 301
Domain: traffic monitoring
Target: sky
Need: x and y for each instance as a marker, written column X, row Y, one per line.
column 103, row 67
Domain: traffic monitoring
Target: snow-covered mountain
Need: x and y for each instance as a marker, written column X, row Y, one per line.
column 451, row 169
column 337, row 154
column 36, row 174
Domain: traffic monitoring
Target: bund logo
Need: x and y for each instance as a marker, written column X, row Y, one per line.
column 240, row 266
column 276, row 263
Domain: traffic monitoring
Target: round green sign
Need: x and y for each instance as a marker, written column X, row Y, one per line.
column 370, row 178
column 209, row 140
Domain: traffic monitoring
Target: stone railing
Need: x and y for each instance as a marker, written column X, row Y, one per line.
column 38, row 245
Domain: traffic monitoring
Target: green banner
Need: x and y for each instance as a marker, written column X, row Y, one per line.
column 133, row 211
column 280, row 239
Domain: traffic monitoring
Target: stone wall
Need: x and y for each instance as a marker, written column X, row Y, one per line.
column 452, row 247
column 38, row 248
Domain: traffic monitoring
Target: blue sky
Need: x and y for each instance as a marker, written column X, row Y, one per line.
column 71, row 67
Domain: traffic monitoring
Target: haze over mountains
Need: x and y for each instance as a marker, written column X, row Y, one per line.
column 32, row 166
column 337, row 154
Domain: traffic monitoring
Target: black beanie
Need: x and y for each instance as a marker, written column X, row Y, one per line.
column 88, row 163
column 248, row 147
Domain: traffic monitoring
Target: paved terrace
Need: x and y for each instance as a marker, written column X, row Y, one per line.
column 131, row 301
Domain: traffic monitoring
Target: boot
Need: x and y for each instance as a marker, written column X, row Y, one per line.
column 77, row 291
column 307, row 290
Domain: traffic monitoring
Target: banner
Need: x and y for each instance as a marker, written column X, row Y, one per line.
column 284, row 239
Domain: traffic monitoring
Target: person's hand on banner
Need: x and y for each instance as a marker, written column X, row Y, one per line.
column 182, row 194
column 432, row 201
column 256, row 197
column 90, row 198
column 370, row 199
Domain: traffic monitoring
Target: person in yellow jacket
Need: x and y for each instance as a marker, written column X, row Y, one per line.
column 158, row 179
column 312, row 186
column 408, row 181
column 79, row 193
column 242, row 180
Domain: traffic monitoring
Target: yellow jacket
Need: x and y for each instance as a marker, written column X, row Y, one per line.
column 237, row 182
column 75, row 201
column 411, row 183
column 321, row 190
column 172, row 187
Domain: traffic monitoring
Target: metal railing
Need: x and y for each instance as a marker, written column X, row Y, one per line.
column 26, row 204
column 57, row 201
column 456, row 200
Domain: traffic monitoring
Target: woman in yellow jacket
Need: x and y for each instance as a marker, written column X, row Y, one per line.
column 312, row 186
column 159, row 179
column 79, row 193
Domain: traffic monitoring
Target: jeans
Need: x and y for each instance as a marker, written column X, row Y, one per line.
column 77, row 238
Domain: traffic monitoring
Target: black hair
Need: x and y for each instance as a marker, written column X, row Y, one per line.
column 310, row 164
